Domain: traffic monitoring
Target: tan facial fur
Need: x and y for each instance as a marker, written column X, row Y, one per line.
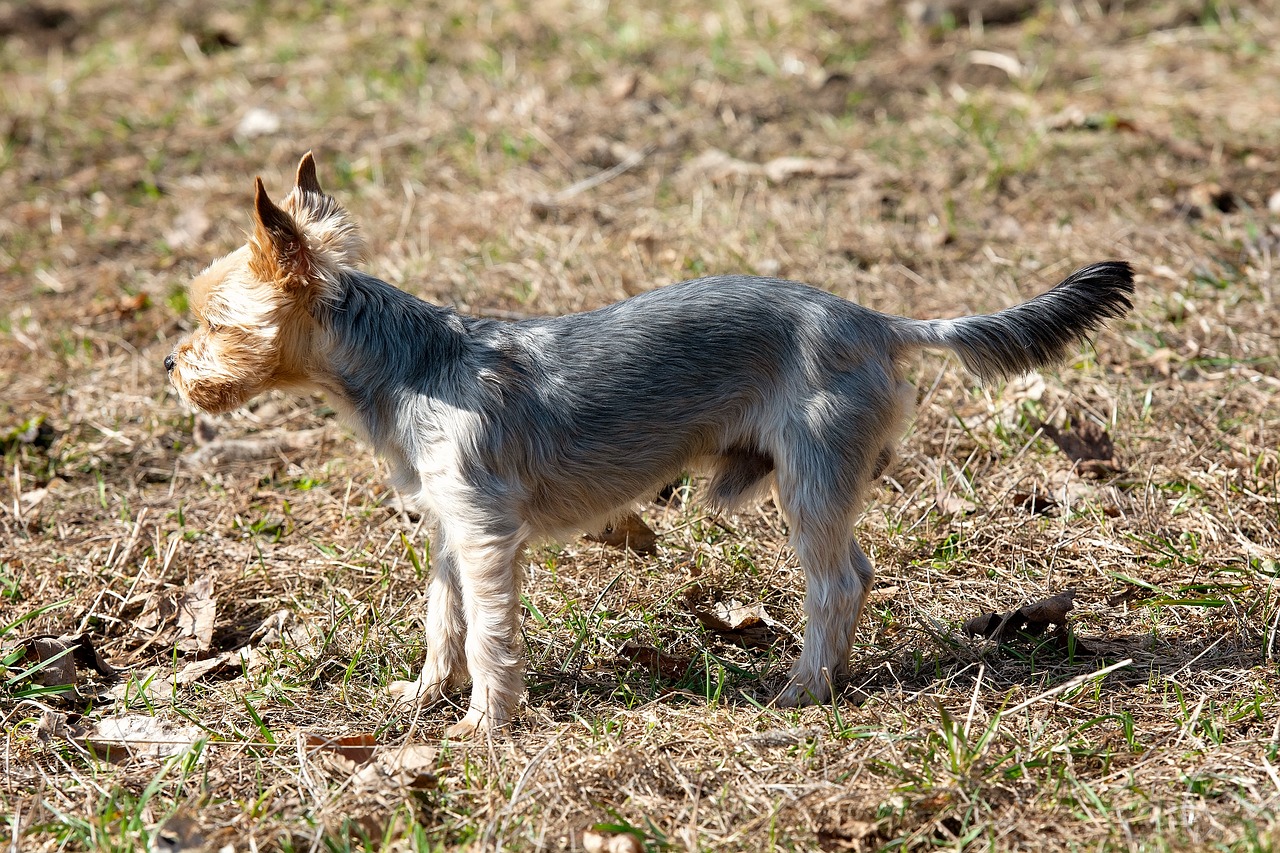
column 253, row 306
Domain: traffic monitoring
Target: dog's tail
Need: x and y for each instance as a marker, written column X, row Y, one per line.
column 1036, row 333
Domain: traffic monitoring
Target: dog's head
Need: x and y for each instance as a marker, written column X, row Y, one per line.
column 256, row 306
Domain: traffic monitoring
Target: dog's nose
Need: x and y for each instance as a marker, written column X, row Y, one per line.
column 169, row 362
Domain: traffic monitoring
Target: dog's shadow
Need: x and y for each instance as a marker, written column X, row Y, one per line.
column 641, row 675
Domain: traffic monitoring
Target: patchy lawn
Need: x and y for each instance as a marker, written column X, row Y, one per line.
column 250, row 588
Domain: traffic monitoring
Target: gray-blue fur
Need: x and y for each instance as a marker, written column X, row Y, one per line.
column 1037, row 332
column 592, row 411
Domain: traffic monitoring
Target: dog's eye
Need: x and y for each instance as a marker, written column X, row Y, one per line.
column 213, row 328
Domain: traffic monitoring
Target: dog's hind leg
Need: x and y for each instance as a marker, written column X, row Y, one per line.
column 489, row 577
column 838, row 577
column 825, row 465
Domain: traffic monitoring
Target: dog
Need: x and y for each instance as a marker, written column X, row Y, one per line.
column 506, row 433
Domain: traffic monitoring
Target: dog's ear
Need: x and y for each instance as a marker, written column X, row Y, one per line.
column 307, row 181
column 279, row 248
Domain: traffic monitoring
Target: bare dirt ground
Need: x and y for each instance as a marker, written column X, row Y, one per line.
column 254, row 589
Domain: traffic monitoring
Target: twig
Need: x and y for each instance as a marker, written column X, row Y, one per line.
column 632, row 160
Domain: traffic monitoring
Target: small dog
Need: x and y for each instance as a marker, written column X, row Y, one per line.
column 506, row 433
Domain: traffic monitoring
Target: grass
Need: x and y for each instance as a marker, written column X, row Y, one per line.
column 972, row 181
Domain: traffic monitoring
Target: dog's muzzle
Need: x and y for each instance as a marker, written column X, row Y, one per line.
column 169, row 362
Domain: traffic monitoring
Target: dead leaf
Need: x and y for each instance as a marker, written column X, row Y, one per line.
column 670, row 667
column 204, row 430
column 1050, row 611
column 57, row 659
column 1030, row 619
column 181, row 833
column 128, row 306
column 749, row 627
column 782, row 169
column 410, row 766
column 623, row 86
column 280, row 628
column 716, row 165
column 357, row 749
column 1037, row 503
column 1087, row 444
column 1211, row 196
column 198, row 669
column 197, row 610
column 32, row 499
column 158, row 610
column 949, row 503
column 54, row 724
column 116, row 738
column 851, row 835
column 630, row 531
column 61, row 655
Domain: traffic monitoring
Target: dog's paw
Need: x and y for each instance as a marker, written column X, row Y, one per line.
column 798, row 695
column 414, row 692
column 466, row 727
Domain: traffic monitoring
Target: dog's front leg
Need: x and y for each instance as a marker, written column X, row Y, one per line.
column 490, row 583
column 445, row 664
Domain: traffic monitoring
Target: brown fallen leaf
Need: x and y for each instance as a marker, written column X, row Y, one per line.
column 158, row 610
column 630, row 531
column 1087, row 444
column 670, row 667
column 280, row 628
column 358, row 748
column 1037, row 503
column 850, row 835
column 56, row 725
column 180, row 833
column 128, row 306
column 60, row 656
column 56, row 660
column 1050, row 611
column 371, row 766
column 749, row 627
column 196, row 612
column 1030, row 619
column 622, row 86
column 949, row 503
column 782, row 169
column 410, row 766
column 116, row 738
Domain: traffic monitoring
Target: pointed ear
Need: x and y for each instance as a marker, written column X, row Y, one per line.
column 279, row 247
column 307, row 180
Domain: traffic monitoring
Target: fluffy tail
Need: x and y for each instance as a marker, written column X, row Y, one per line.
column 1036, row 333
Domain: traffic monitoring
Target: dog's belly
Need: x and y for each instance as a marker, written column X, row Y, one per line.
column 587, row 492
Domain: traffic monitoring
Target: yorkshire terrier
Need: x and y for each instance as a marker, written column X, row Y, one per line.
column 505, row 433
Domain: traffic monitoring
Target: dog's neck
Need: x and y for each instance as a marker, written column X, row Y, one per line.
column 381, row 352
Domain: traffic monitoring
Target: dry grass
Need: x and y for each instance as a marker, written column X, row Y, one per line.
column 954, row 168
